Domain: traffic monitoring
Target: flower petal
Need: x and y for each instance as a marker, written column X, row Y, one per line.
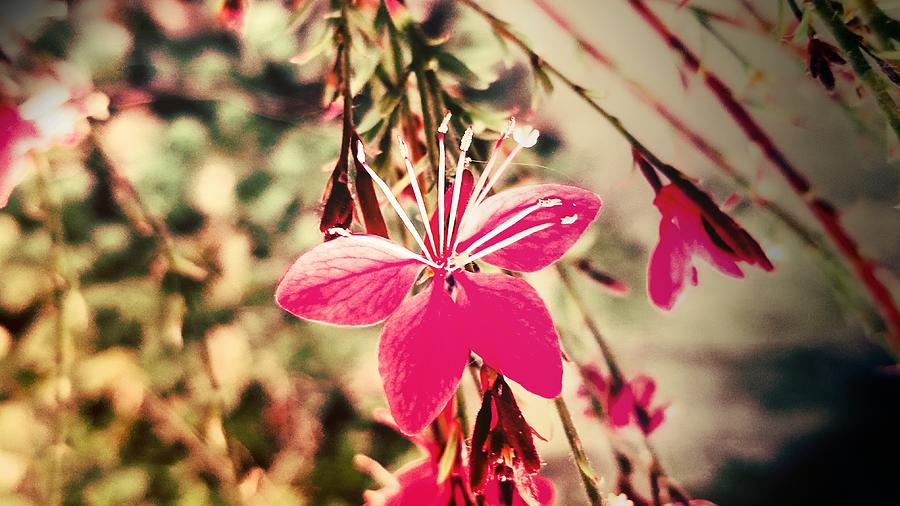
column 569, row 220
column 421, row 357
column 510, row 328
column 356, row 280
column 670, row 264
column 419, row 486
column 465, row 193
column 13, row 131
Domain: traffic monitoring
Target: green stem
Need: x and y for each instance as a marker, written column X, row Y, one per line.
column 62, row 356
column 885, row 28
column 850, row 43
column 608, row 355
column 588, row 476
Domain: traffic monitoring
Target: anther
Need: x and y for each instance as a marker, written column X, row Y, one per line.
column 568, row 220
column 466, row 139
column 526, row 136
column 510, row 125
column 360, row 152
column 445, row 123
column 404, row 149
column 549, row 202
column 343, row 232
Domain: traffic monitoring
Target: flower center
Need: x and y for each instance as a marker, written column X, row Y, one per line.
column 442, row 255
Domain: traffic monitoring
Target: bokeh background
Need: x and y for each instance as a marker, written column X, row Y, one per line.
column 780, row 389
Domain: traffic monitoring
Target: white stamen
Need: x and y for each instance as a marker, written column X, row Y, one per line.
column 457, row 184
column 510, row 125
column 414, row 182
column 481, row 190
column 361, row 156
column 442, row 171
column 568, row 220
column 466, row 139
column 445, row 123
column 502, row 244
column 392, row 247
column 343, row 232
column 521, row 215
column 481, row 181
column 526, row 136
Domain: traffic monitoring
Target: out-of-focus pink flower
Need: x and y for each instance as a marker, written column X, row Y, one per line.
column 232, row 13
column 629, row 404
column 54, row 105
column 686, row 231
column 360, row 280
column 16, row 134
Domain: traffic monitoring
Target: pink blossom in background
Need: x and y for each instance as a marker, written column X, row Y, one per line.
column 630, row 404
column 231, row 15
column 54, row 105
column 360, row 279
column 686, row 232
column 15, row 136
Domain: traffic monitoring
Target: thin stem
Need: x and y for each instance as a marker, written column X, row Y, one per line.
column 850, row 43
column 618, row 381
column 171, row 427
column 144, row 221
column 588, row 475
column 608, row 355
column 62, row 283
column 885, row 28
column 427, row 99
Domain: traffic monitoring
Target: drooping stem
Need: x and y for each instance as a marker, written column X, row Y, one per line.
column 588, row 476
column 850, row 43
column 822, row 210
column 885, row 28
column 609, row 356
column 811, row 239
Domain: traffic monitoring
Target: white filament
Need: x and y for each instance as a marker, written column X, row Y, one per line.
column 414, row 182
column 361, row 156
column 457, row 184
column 442, row 171
column 506, row 242
column 521, row 215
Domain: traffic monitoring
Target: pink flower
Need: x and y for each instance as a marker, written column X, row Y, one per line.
column 53, row 110
column 420, row 482
column 688, row 229
column 15, row 136
column 424, row 482
column 626, row 404
column 231, row 15
column 362, row 279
